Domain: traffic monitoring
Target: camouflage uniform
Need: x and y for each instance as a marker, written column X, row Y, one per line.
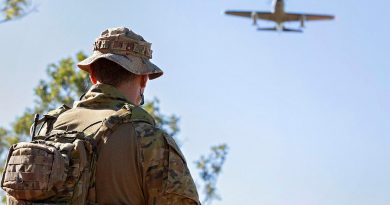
column 138, row 163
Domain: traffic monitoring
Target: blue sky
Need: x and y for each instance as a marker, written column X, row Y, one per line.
column 306, row 116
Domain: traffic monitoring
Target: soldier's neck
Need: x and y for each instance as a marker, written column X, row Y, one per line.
column 131, row 91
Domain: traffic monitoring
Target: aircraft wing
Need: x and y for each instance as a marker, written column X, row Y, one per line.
column 249, row 14
column 306, row 17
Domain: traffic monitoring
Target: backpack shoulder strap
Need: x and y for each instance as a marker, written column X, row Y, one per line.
column 127, row 114
column 58, row 111
column 140, row 115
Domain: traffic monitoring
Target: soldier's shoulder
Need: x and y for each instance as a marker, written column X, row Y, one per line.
column 58, row 111
column 145, row 128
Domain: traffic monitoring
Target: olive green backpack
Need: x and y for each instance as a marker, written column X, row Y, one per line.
column 57, row 167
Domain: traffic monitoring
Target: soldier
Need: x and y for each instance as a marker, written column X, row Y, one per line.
column 138, row 163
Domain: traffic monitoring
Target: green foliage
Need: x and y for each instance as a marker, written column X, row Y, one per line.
column 65, row 84
column 3, row 138
column 11, row 9
column 6, row 139
column 22, row 124
column 210, row 168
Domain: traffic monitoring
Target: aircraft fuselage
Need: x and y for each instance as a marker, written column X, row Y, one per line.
column 278, row 10
column 279, row 7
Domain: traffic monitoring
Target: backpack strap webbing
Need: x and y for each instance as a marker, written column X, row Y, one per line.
column 128, row 113
column 48, row 120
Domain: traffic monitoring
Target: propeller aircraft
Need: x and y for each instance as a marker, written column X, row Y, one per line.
column 279, row 16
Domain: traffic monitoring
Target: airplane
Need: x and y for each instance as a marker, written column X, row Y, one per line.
column 279, row 16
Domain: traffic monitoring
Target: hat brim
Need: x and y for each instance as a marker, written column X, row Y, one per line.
column 133, row 64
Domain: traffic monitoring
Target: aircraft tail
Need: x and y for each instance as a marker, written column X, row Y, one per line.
column 267, row 29
column 292, row 30
column 284, row 29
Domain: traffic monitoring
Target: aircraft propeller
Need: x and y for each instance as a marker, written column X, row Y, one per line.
column 303, row 20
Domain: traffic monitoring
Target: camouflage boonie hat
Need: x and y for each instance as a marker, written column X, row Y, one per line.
column 125, row 48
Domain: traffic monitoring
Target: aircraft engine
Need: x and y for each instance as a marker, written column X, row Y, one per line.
column 303, row 19
column 254, row 18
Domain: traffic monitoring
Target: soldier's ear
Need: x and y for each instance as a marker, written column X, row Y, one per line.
column 92, row 77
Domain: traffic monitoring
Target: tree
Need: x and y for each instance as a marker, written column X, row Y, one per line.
column 65, row 84
column 210, row 167
column 12, row 9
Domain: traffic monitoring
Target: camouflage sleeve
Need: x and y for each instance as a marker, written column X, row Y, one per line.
column 166, row 178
